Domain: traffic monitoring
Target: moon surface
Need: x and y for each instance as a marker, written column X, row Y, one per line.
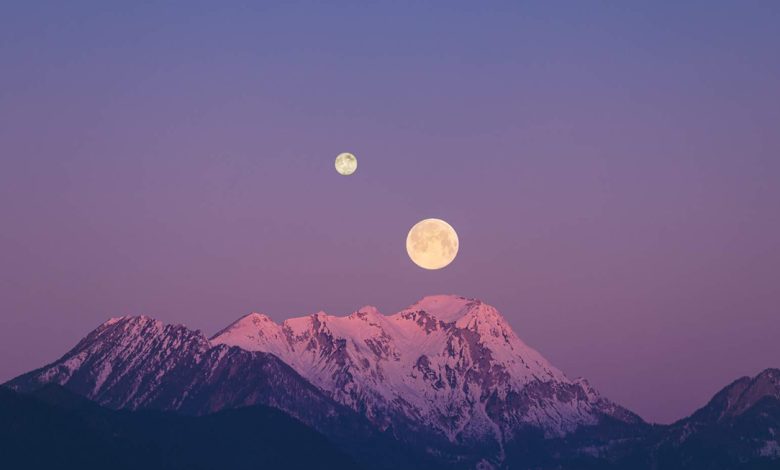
column 346, row 163
column 432, row 244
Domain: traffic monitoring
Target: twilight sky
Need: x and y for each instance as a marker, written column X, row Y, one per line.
column 612, row 171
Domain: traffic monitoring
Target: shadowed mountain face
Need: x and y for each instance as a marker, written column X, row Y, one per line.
column 54, row 429
column 137, row 363
column 445, row 383
column 739, row 397
column 738, row 428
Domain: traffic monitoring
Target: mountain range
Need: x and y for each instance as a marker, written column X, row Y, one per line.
column 444, row 383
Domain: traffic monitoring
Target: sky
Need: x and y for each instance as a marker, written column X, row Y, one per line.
column 611, row 168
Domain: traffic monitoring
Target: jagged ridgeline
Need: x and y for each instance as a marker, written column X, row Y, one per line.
column 445, row 383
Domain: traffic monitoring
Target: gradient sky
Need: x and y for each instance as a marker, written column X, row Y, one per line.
column 612, row 171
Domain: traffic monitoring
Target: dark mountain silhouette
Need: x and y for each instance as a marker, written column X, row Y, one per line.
column 55, row 429
column 137, row 363
column 738, row 428
column 52, row 427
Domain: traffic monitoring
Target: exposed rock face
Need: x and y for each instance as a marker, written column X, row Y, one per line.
column 447, row 364
column 139, row 363
column 740, row 396
column 738, row 428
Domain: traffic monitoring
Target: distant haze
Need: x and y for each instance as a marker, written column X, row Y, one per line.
column 611, row 170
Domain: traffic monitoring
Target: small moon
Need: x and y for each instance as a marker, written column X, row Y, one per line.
column 432, row 244
column 346, row 163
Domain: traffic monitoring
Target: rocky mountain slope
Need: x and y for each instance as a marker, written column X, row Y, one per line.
column 738, row 428
column 447, row 364
column 53, row 428
column 139, row 363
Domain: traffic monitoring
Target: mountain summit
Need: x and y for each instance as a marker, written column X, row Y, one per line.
column 447, row 364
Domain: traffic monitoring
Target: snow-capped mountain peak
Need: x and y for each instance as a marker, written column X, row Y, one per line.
column 445, row 308
column 366, row 313
column 449, row 363
column 250, row 322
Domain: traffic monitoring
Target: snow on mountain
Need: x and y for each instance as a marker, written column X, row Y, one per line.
column 140, row 363
column 448, row 364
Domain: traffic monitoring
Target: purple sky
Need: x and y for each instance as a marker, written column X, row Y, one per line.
column 612, row 172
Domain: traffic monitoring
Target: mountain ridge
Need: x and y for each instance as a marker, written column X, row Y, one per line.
column 139, row 363
column 444, row 383
column 456, row 353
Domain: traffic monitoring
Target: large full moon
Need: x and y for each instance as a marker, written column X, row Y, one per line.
column 346, row 163
column 432, row 244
